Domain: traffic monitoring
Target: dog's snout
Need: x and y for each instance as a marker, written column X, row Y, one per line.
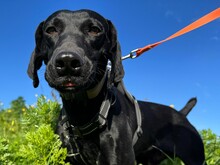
column 68, row 63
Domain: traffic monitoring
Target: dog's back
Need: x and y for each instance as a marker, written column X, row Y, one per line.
column 168, row 133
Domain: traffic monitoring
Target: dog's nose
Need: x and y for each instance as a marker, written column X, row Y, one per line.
column 68, row 63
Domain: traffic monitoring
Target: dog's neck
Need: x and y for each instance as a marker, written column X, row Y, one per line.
column 92, row 93
column 83, row 107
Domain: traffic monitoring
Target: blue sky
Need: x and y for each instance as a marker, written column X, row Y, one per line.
column 171, row 73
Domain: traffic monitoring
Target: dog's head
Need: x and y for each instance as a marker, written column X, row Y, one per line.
column 76, row 47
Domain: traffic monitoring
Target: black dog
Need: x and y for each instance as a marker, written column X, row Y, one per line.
column 100, row 122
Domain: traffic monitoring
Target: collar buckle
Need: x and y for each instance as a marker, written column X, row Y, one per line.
column 76, row 132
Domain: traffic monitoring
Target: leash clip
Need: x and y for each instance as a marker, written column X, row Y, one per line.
column 132, row 55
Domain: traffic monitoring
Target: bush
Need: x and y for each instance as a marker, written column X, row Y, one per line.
column 42, row 147
column 212, row 147
column 27, row 134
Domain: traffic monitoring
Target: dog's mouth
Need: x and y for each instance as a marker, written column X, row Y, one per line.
column 69, row 85
column 74, row 84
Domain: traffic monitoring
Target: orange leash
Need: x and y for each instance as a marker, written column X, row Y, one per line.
column 198, row 23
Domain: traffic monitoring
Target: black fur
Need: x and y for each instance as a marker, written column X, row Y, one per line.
column 76, row 47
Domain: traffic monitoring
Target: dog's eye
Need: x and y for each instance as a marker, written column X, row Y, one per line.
column 94, row 30
column 51, row 30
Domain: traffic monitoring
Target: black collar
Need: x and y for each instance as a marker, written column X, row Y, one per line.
column 98, row 122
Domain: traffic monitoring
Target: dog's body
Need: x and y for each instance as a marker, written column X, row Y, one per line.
column 99, row 119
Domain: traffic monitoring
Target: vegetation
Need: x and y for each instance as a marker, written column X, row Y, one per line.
column 27, row 136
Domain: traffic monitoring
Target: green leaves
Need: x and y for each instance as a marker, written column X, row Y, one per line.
column 42, row 147
column 45, row 112
column 28, row 137
column 5, row 155
column 212, row 147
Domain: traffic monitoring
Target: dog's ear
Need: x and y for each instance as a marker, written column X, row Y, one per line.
column 114, row 55
column 36, row 57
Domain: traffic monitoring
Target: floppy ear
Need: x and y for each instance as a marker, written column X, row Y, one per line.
column 36, row 57
column 114, row 55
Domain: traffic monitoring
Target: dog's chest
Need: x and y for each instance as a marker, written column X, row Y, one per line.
column 81, row 150
column 89, row 150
